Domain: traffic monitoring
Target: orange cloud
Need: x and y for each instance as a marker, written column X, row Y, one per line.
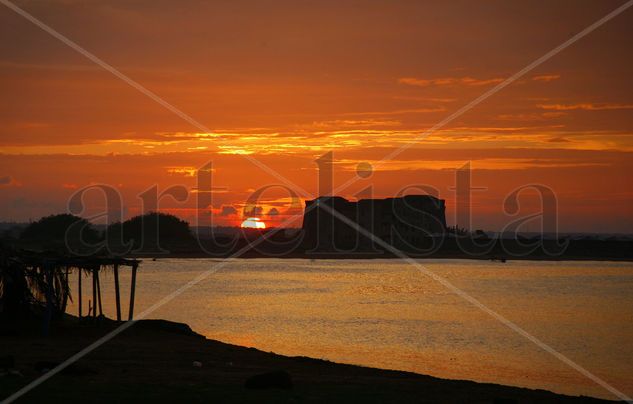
column 344, row 123
column 8, row 181
column 585, row 107
column 530, row 116
column 546, row 77
column 427, row 99
column 186, row 171
column 397, row 112
column 448, row 81
column 228, row 210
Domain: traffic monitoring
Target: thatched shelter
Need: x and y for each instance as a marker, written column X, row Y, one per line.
column 35, row 279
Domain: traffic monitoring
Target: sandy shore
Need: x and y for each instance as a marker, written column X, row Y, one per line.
column 153, row 361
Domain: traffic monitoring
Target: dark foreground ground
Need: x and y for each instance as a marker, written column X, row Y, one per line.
column 153, row 362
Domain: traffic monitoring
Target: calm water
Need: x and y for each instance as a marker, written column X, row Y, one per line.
column 384, row 313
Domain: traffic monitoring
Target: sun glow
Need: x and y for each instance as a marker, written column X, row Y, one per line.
column 253, row 223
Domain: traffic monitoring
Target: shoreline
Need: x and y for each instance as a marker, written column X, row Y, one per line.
column 497, row 250
column 326, row 256
column 155, row 360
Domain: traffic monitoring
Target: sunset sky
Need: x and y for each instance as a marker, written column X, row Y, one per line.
column 287, row 81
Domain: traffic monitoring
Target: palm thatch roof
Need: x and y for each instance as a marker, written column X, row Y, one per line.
column 35, row 281
column 54, row 260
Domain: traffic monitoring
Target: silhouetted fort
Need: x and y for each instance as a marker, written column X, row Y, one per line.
column 407, row 219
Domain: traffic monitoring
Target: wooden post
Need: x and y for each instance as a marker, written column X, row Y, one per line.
column 65, row 290
column 94, row 292
column 99, row 293
column 117, row 293
column 48, row 274
column 132, row 290
column 79, row 291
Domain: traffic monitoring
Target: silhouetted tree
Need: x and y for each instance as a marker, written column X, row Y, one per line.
column 150, row 231
column 63, row 232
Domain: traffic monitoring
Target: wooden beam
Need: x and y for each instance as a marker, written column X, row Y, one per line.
column 117, row 293
column 99, row 293
column 48, row 274
column 132, row 291
column 65, row 290
column 79, row 291
column 94, row 292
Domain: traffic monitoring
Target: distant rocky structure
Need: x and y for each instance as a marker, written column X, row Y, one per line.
column 405, row 220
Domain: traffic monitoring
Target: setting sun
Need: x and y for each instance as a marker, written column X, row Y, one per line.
column 253, row 223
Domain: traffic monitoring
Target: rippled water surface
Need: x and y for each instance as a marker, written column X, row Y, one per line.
column 388, row 314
